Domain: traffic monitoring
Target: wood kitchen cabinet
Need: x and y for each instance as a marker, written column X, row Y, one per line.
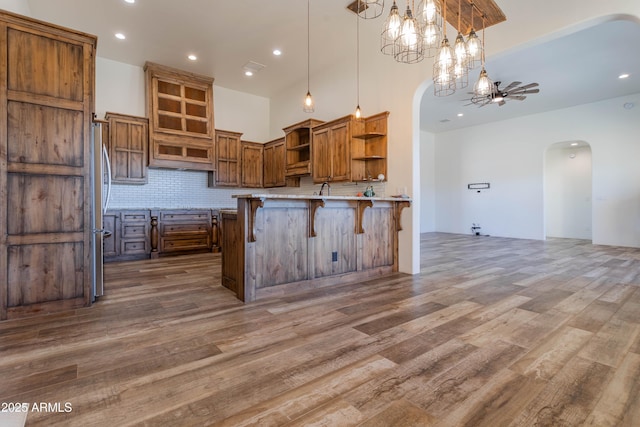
column 127, row 140
column 228, row 156
column 251, row 164
column 369, row 149
column 298, row 147
column 331, row 149
column 130, row 235
column 46, row 111
column 273, row 164
column 183, row 231
column 180, row 110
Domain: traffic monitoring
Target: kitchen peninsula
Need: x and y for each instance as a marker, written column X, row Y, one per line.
column 279, row 244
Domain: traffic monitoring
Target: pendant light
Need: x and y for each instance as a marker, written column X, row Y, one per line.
column 429, row 16
column 308, row 106
column 484, row 85
column 390, row 31
column 409, row 43
column 461, row 66
column 370, row 9
column 444, row 80
column 474, row 46
column 358, row 112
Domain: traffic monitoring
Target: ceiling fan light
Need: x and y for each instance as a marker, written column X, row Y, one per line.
column 484, row 85
column 390, row 31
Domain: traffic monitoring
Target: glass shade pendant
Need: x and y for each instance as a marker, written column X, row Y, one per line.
column 430, row 18
column 461, row 70
column 444, row 78
column 358, row 112
column 308, row 105
column 474, row 49
column 370, row 9
column 409, row 43
column 432, row 39
column 390, row 31
column 474, row 46
column 429, row 12
column 484, row 85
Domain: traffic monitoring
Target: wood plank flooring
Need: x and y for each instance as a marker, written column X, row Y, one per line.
column 492, row 332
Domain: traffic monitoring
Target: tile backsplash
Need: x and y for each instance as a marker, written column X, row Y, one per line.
column 174, row 189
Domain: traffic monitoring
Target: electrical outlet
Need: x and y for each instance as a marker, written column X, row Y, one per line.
column 334, row 256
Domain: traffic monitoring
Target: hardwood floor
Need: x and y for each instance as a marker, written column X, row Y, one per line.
column 492, row 332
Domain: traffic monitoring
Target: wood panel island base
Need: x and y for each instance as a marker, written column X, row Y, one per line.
column 280, row 244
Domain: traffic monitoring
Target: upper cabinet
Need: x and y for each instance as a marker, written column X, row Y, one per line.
column 331, row 149
column 228, row 158
column 273, row 164
column 251, row 164
column 369, row 149
column 127, row 141
column 180, row 110
column 298, row 147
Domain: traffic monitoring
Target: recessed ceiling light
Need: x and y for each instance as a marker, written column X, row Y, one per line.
column 277, row 52
column 460, row 114
column 130, row 1
column 248, row 73
column 623, row 76
column 192, row 57
column 120, row 36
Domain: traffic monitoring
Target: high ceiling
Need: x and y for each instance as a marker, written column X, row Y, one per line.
column 571, row 69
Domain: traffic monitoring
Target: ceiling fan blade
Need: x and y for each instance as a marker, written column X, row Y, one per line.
column 522, row 92
column 511, row 86
column 529, row 86
column 516, row 97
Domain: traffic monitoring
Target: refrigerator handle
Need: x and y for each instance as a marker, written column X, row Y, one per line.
column 108, row 164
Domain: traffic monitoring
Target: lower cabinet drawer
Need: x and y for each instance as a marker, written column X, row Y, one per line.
column 133, row 247
column 184, row 244
column 134, row 230
column 173, row 229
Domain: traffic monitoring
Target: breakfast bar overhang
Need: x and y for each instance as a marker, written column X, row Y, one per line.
column 281, row 244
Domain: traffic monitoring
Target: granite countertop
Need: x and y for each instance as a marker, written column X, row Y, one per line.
column 315, row 197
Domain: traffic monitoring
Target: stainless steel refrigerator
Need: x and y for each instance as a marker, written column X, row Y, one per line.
column 101, row 183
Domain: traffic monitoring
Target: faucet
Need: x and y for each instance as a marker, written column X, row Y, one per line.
column 328, row 188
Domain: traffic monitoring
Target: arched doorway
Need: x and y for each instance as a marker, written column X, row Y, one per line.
column 567, row 190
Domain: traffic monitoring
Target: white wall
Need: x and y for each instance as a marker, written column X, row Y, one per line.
column 567, row 191
column 16, row 6
column 510, row 155
column 427, row 183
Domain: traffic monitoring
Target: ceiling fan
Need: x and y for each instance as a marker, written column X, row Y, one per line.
column 499, row 96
